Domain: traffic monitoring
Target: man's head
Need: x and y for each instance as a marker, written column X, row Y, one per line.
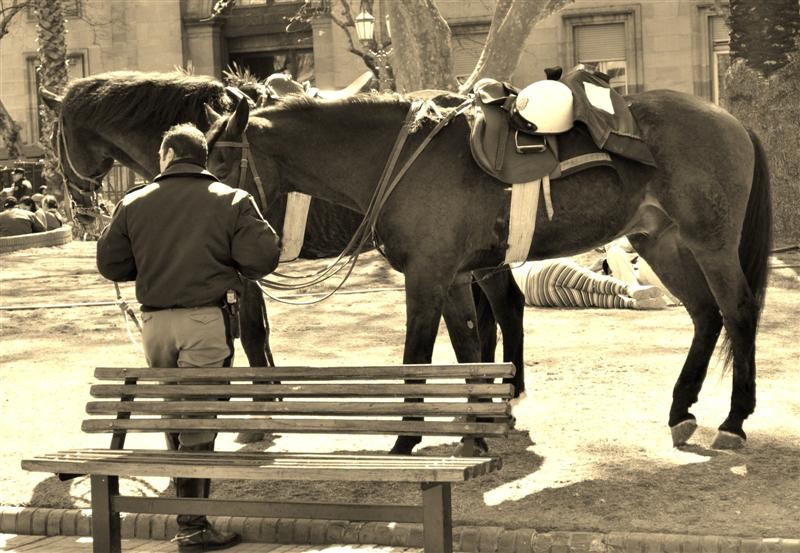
column 43, row 190
column 9, row 202
column 183, row 142
column 18, row 174
column 37, row 199
column 26, row 202
column 50, row 202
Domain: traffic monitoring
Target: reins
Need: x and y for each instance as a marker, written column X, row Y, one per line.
column 367, row 228
column 61, row 148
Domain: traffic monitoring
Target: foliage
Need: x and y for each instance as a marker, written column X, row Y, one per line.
column 769, row 106
column 763, row 33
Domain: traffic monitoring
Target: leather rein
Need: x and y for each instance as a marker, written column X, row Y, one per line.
column 367, row 228
column 62, row 152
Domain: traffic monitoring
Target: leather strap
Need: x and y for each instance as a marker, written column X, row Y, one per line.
column 244, row 163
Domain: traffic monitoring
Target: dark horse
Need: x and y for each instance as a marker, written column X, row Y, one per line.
column 123, row 115
column 702, row 219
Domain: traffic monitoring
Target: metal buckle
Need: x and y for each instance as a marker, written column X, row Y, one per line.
column 535, row 148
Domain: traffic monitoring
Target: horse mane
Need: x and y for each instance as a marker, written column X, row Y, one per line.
column 130, row 100
column 302, row 103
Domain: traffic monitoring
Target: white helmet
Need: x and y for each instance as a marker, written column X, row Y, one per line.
column 546, row 104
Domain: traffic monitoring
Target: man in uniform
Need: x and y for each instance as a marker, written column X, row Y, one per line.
column 21, row 186
column 187, row 240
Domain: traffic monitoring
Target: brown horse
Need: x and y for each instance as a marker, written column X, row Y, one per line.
column 702, row 219
column 123, row 115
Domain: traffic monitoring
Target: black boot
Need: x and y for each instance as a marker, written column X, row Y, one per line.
column 204, row 538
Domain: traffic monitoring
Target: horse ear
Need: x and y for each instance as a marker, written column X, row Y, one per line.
column 238, row 121
column 211, row 114
column 51, row 99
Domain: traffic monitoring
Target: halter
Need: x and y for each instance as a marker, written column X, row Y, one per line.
column 367, row 229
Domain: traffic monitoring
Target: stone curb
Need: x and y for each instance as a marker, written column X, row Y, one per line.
column 471, row 539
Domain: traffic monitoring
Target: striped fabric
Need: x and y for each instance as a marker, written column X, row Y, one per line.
column 564, row 283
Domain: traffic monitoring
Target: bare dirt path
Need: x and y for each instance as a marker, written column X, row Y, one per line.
column 593, row 452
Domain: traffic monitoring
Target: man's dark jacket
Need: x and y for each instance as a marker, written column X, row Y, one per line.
column 185, row 239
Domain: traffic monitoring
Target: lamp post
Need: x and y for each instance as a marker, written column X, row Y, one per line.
column 365, row 29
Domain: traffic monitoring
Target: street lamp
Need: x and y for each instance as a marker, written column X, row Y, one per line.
column 365, row 29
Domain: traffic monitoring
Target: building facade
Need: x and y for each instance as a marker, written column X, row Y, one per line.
column 677, row 44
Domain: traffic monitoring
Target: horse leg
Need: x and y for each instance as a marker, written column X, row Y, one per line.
column 676, row 266
column 425, row 298
column 740, row 312
column 508, row 306
column 255, row 326
column 255, row 340
column 460, row 317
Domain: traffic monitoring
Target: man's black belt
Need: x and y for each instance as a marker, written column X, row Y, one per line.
column 150, row 308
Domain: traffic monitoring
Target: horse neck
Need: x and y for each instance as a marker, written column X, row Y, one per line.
column 336, row 153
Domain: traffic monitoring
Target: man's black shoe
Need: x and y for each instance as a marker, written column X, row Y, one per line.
column 204, row 538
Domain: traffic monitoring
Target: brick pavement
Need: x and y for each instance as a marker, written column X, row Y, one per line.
column 15, row 543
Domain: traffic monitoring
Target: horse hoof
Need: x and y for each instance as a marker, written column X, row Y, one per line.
column 727, row 440
column 480, row 449
column 682, row 431
column 249, row 437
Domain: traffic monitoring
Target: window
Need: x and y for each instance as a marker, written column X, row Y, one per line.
column 467, row 48
column 608, row 39
column 603, row 46
column 76, row 68
column 718, row 32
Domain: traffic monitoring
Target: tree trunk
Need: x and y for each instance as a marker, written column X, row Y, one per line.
column 9, row 131
column 512, row 23
column 763, row 34
column 421, row 47
column 52, row 72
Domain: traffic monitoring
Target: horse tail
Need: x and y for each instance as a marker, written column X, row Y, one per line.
column 756, row 241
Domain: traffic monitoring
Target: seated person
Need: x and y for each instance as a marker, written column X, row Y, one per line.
column 30, row 204
column 54, row 218
column 563, row 283
column 15, row 221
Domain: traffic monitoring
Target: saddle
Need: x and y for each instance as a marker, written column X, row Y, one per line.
column 512, row 150
column 502, row 146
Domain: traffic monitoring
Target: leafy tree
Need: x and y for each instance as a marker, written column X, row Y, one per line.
column 763, row 33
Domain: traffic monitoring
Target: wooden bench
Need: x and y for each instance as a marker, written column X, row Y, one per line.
column 348, row 400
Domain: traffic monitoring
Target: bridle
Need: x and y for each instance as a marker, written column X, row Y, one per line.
column 367, row 229
column 245, row 162
column 62, row 152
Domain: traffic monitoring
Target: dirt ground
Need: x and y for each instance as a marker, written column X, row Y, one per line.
column 593, row 451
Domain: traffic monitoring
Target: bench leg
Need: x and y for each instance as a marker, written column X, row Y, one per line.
column 437, row 524
column 106, row 534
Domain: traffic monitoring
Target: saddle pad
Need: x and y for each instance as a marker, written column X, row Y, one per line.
column 605, row 113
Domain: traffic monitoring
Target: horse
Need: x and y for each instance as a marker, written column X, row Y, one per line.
column 701, row 218
column 123, row 115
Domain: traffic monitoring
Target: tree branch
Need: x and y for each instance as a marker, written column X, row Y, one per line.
column 7, row 14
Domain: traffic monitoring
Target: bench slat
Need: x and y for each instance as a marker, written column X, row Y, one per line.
column 399, row 372
column 267, row 467
column 318, row 408
column 307, row 426
column 238, row 507
column 303, row 390
column 248, row 456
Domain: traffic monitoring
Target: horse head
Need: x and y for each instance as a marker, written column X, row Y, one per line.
column 81, row 163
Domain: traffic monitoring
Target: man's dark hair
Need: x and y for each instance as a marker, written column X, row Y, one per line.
column 9, row 202
column 28, row 202
column 187, row 142
column 51, row 202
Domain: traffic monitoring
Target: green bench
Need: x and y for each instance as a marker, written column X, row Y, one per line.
column 337, row 400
